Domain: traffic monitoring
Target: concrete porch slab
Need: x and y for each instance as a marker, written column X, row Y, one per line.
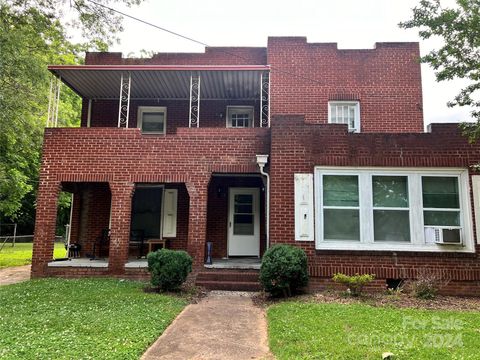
column 136, row 264
column 235, row 263
column 80, row 262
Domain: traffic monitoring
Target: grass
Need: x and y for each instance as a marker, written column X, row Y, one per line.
column 81, row 319
column 21, row 254
column 358, row 331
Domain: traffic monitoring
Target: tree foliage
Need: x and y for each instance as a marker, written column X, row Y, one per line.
column 97, row 23
column 28, row 42
column 33, row 34
column 459, row 56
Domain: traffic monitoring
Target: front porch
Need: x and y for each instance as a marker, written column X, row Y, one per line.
column 233, row 263
column 234, row 225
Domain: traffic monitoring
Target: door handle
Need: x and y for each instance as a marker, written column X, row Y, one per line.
column 229, row 224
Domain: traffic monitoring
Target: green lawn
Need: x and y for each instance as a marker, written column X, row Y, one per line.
column 81, row 319
column 357, row 331
column 21, row 254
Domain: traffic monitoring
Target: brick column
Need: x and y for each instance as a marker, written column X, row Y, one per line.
column 120, row 226
column 197, row 223
column 45, row 223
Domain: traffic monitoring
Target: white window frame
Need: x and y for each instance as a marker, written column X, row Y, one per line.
column 417, row 233
column 240, row 109
column 142, row 109
column 355, row 104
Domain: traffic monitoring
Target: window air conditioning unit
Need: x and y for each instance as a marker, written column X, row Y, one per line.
column 443, row 236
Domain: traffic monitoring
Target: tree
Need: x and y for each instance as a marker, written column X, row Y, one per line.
column 97, row 23
column 33, row 34
column 459, row 56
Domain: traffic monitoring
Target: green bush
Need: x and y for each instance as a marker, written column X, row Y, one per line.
column 353, row 283
column 283, row 270
column 169, row 268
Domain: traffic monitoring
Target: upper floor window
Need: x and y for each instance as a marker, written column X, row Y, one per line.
column 239, row 116
column 345, row 112
column 152, row 119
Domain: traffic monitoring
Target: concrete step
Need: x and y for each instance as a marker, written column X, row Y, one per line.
column 230, row 285
column 246, row 276
column 229, row 279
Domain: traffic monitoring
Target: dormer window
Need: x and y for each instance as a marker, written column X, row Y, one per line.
column 239, row 116
column 152, row 119
column 345, row 112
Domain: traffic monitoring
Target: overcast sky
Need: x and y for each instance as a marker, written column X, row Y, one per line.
column 350, row 23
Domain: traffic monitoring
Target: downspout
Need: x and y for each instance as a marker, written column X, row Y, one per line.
column 89, row 113
column 261, row 162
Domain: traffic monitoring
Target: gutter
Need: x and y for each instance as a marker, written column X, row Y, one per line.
column 261, row 162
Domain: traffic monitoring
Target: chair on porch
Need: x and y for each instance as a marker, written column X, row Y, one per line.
column 137, row 239
column 100, row 243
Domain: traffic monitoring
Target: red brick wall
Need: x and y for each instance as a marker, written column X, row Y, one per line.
column 211, row 56
column 297, row 147
column 104, row 113
column 95, row 216
column 218, row 210
column 123, row 157
column 386, row 80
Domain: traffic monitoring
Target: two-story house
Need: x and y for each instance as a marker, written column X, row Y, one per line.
column 244, row 148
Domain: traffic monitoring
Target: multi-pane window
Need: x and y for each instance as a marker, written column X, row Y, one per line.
column 391, row 213
column 441, row 202
column 345, row 112
column 239, row 116
column 152, row 119
column 384, row 209
column 341, row 207
column 243, row 216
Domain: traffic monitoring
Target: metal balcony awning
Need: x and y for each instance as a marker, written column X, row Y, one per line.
column 170, row 82
column 162, row 81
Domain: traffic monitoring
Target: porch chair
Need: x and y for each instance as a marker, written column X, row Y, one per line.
column 137, row 239
column 100, row 242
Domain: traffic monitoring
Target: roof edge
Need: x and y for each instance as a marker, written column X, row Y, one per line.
column 54, row 68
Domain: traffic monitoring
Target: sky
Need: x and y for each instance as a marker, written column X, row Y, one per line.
column 352, row 24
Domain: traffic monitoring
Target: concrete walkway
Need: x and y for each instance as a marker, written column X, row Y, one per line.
column 224, row 325
column 12, row 275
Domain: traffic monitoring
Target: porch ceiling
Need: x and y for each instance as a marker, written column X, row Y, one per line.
column 160, row 81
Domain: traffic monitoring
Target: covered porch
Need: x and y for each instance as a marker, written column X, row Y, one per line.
column 160, row 213
column 159, row 99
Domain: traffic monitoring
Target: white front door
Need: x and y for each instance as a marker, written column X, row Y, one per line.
column 244, row 222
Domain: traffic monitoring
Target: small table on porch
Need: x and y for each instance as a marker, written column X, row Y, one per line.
column 154, row 242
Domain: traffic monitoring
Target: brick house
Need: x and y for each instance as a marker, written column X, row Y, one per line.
column 168, row 145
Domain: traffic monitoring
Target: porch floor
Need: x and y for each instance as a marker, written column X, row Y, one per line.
column 235, row 263
column 80, row 262
column 232, row 263
column 98, row 263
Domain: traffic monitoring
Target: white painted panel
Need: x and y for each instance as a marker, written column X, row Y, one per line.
column 170, row 213
column 476, row 203
column 304, row 216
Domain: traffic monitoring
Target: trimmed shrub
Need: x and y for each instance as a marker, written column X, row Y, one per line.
column 283, row 270
column 169, row 268
column 353, row 283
